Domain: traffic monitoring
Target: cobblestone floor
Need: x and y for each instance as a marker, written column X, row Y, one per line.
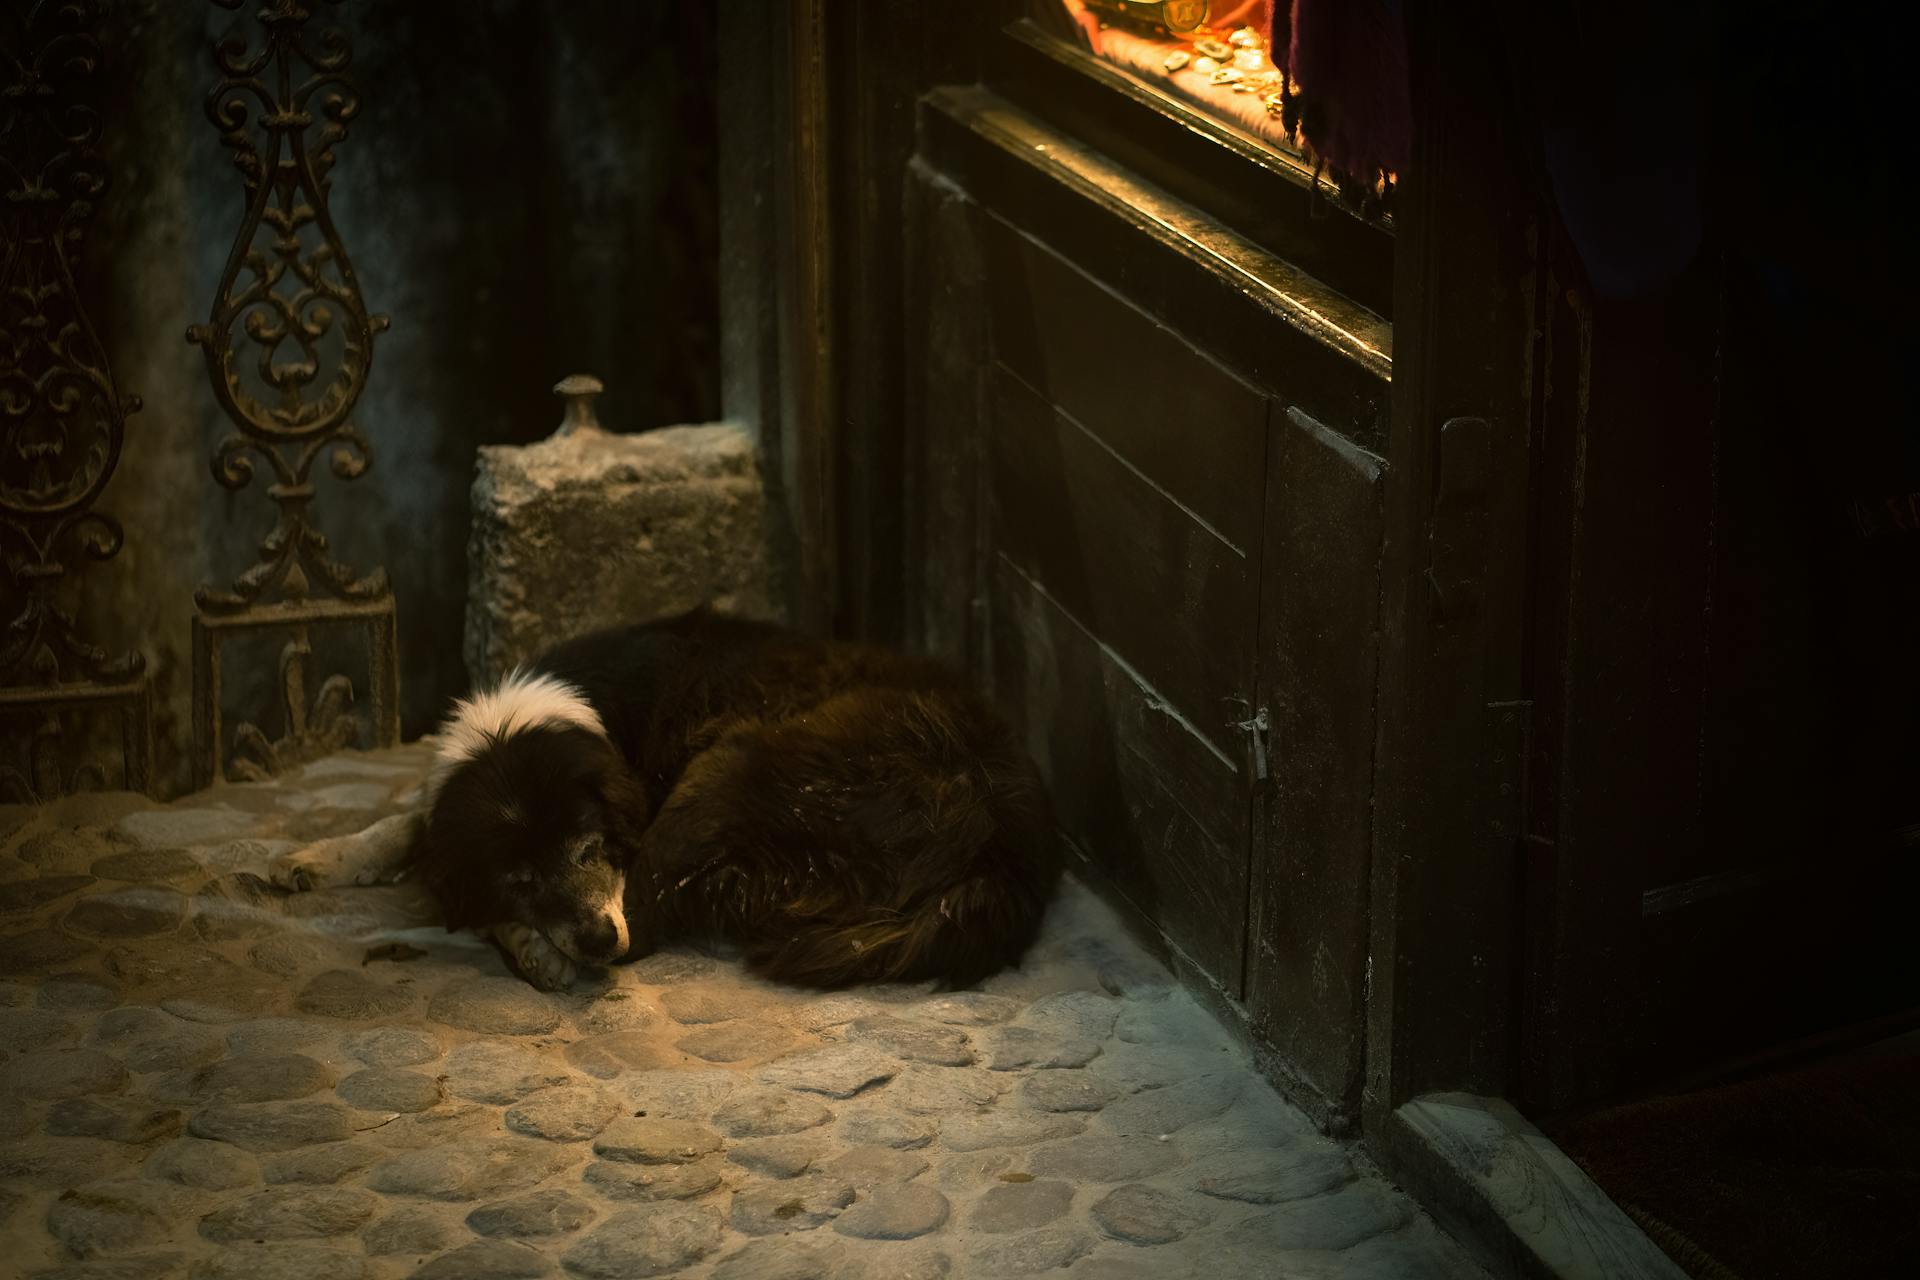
column 203, row 1077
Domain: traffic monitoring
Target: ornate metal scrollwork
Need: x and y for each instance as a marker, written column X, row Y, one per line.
column 288, row 346
column 62, row 420
column 289, row 309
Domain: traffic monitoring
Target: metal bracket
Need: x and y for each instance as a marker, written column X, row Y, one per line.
column 1256, row 727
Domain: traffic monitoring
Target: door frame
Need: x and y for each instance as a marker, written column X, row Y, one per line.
column 1446, row 919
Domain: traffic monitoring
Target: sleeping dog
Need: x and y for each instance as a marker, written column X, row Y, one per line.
column 840, row 813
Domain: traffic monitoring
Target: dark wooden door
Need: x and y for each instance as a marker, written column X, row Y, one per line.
column 1150, row 481
column 1319, row 669
column 1721, row 829
column 1125, row 473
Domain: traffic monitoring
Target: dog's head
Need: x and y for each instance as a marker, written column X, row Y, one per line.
column 526, row 823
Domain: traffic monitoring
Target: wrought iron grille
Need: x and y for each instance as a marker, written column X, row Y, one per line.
column 62, row 417
column 288, row 346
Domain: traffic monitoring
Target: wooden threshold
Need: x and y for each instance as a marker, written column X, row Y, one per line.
column 1502, row 1188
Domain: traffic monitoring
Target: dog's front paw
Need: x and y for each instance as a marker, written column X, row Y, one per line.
column 376, row 854
column 539, row 961
column 301, row 870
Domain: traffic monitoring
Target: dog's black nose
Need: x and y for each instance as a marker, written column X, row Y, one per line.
column 600, row 937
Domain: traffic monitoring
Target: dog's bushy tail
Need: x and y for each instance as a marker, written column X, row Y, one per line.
column 889, row 835
column 971, row 930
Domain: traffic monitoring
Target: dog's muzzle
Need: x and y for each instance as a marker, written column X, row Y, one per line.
column 601, row 936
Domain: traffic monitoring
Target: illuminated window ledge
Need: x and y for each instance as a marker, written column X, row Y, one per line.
column 1145, row 58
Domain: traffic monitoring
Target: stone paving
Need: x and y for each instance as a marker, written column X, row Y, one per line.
column 203, row 1077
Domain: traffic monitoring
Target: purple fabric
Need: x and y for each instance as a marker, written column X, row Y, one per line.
column 1349, row 59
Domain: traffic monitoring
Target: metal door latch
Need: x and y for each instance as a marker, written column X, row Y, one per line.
column 1257, row 728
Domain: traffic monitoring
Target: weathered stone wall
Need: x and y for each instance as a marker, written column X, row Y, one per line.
column 592, row 530
column 527, row 190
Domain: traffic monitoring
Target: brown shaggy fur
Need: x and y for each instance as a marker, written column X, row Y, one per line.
column 844, row 814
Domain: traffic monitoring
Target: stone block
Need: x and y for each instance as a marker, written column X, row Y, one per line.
column 592, row 529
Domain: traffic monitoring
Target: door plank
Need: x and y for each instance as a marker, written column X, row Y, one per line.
column 1164, row 589
column 1306, row 967
column 1144, row 391
column 1159, row 811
